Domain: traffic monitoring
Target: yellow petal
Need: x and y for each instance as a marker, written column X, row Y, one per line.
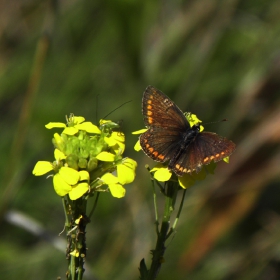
column 105, row 156
column 58, row 155
column 58, row 139
column 104, row 121
column 117, row 190
column 162, row 174
column 193, row 119
column 110, row 141
column 140, row 131
column 109, row 178
column 78, row 190
column 55, row 124
column 186, row 181
column 126, row 171
column 70, row 176
column 84, row 175
column 77, row 119
column 88, row 127
column 42, row 167
column 77, row 221
column 137, row 146
column 70, row 130
column 119, row 148
column 118, row 136
column 75, row 253
column 226, row 159
column 60, row 186
column 116, row 141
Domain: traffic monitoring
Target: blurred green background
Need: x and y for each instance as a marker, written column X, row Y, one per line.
column 217, row 59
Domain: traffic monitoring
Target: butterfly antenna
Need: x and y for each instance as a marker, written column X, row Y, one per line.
column 224, row 120
column 116, row 109
column 96, row 111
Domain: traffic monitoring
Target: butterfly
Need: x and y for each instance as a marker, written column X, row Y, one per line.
column 171, row 138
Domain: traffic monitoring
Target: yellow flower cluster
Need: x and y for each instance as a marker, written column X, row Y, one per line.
column 85, row 157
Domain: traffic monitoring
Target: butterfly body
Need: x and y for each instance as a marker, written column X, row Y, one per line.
column 171, row 138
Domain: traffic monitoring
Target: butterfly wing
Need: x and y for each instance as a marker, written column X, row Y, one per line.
column 207, row 146
column 166, row 123
column 160, row 111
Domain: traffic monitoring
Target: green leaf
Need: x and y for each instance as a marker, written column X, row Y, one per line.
column 143, row 270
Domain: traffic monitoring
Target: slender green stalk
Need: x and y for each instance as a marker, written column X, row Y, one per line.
column 158, row 252
column 178, row 214
column 94, row 205
column 155, row 206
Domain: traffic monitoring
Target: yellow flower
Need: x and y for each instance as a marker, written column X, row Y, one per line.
column 125, row 175
column 74, row 125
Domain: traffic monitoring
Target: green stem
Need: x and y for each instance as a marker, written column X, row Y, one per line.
column 158, row 252
column 76, row 247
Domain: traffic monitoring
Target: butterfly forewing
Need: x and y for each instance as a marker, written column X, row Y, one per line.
column 160, row 111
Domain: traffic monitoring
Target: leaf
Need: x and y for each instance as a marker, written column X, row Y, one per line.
column 143, row 270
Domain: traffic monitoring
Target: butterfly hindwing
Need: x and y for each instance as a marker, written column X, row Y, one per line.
column 158, row 143
column 207, row 147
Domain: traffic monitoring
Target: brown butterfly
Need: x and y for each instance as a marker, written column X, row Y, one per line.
column 171, row 138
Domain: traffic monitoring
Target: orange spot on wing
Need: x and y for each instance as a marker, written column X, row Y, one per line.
column 155, row 153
